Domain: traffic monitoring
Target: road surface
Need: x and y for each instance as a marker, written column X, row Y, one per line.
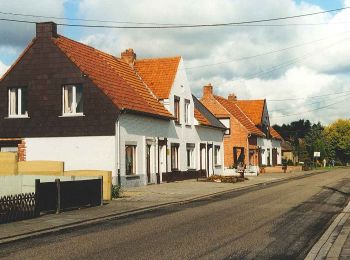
column 279, row 221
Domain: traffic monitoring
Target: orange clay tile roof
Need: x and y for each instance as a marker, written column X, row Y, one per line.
column 113, row 76
column 214, row 107
column 239, row 115
column 158, row 74
column 253, row 109
column 200, row 118
column 275, row 134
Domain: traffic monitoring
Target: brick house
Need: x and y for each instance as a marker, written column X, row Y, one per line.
column 66, row 101
column 249, row 138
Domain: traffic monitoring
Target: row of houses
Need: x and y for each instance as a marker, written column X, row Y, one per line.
column 66, row 101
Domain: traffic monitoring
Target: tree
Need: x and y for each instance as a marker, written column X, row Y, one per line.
column 337, row 136
column 315, row 141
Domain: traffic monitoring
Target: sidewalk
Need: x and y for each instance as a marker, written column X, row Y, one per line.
column 335, row 242
column 135, row 200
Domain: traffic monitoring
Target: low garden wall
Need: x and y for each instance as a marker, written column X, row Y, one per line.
column 17, row 184
column 278, row 169
column 9, row 167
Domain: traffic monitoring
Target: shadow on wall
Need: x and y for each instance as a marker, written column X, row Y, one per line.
column 9, row 166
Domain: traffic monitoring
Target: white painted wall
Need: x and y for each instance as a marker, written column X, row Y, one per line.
column 77, row 153
column 137, row 129
column 266, row 144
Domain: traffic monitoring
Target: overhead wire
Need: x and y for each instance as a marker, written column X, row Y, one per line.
column 172, row 26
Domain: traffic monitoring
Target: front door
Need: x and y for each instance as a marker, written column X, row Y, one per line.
column 148, row 162
column 274, row 157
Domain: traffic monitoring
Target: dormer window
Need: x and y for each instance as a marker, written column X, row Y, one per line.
column 177, row 109
column 187, row 112
column 72, row 96
column 17, row 102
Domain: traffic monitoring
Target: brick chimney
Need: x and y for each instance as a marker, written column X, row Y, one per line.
column 129, row 56
column 207, row 90
column 232, row 97
column 46, row 30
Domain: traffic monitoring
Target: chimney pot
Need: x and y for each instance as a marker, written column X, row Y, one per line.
column 129, row 56
column 232, row 97
column 46, row 30
column 207, row 90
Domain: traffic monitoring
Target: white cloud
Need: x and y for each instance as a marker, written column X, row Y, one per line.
column 321, row 66
column 19, row 34
column 3, row 68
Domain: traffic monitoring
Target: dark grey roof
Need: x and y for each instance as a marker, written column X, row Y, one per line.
column 207, row 114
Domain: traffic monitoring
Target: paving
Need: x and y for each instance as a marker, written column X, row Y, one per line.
column 282, row 220
column 134, row 200
column 335, row 242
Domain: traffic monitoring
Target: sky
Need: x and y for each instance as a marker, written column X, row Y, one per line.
column 300, row 66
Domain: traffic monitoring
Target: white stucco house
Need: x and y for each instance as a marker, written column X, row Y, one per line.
column 66, row 101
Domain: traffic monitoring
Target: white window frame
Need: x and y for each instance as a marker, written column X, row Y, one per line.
column 227, row 123
column 19, row 103
column 217, row 155
column 174, row 165
column 134, row 165
column 74, row 101
column 187, row 112
column 190, row 164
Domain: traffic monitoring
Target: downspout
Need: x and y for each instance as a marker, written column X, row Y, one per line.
column 249, row 135
column 118, row 151
column 212, row 158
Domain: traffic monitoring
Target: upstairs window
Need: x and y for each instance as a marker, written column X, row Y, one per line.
column 226, row 123
column 17, row 102
column 187, row 112
column 177, row 109
column 72, row 100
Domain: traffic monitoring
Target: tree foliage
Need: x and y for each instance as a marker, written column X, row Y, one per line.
column 333, row 141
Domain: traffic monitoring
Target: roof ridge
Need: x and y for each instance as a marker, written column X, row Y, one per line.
column 242, row 113
column 159, row 58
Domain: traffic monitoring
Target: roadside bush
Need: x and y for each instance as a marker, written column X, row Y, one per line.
column 338, row 163
column 116, row 191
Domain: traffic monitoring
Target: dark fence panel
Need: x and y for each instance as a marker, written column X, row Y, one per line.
column 47, row 196
column 17, row 207
column 80, row 193
column 182, row 175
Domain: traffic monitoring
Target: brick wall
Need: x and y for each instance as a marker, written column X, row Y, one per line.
column 237, row 138
column 44, row 69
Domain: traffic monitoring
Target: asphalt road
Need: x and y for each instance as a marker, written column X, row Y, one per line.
column 280, row 221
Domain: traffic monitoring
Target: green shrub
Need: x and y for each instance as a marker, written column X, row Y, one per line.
column 116, row 191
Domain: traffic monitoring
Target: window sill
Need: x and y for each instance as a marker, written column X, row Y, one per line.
column 217, row 165
column 177, row 123
column 191, row 168
column 17, row 117
column 188, row 125
column 72, row 115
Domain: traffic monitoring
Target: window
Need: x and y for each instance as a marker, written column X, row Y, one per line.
column 174, row 156
column 217, row 155
column 130, row 159
column 72, row 99
column 18, row 102
column 226, row 123
column 190, row 155
column 177, row 109
column 187, row 112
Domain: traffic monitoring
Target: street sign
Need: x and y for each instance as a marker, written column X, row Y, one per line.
column 317, row 154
